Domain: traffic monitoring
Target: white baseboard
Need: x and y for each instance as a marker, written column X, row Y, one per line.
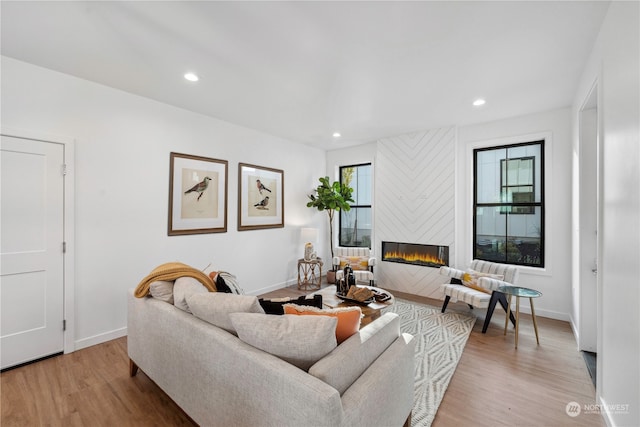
column 547, row 313
column 273, row 287
column 100, row 338
column 576, row 333
column 606, row 415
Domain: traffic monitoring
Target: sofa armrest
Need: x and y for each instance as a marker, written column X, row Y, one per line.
column 344, row 365
column 389, row 378
column 335, row 262
column 372, row 261
column 451, row 272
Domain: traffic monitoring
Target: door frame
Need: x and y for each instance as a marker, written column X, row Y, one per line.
column 594, row 93
column 587, row 164
column 68, row 145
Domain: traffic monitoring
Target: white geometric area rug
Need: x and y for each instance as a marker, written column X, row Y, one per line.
column 440, row 340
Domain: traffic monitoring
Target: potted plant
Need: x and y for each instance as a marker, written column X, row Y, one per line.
column 330, row 198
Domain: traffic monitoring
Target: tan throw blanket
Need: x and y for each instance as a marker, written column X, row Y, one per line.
column 171, row 271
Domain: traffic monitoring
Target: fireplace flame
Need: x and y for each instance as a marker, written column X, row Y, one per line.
column 414, row 257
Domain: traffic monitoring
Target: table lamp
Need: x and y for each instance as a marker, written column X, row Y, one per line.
column 309, row 236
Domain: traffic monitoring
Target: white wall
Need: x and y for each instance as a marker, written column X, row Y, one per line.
column 615, row 64
column 122, row 177
column 554, row 281
column 415, row 195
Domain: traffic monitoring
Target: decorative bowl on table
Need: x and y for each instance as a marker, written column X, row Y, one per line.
column 342, row 296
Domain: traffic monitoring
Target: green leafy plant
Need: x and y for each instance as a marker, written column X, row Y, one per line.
column 331, row 198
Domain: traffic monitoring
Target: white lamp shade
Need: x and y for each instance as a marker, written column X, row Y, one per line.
column 309, row 235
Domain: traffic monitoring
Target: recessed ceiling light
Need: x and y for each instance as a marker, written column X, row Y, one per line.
column 336, row 135
column 478, row 102
column 191, row 77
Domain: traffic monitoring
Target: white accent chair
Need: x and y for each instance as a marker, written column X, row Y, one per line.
column 360, row 260
column 456, row 291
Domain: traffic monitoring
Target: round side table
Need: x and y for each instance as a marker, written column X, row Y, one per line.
column 518, row 292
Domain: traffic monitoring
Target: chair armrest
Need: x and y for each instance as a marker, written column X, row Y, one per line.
column 451, row 272
column 492, row 284
column 335, row 262
column 372, row 261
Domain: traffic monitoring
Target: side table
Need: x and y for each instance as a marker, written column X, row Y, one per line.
column 518, row 292
column 308, row 278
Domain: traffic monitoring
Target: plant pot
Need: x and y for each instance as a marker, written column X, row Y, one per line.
column 331, row 277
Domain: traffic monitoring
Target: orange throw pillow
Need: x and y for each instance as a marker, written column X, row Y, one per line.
column 348, row 318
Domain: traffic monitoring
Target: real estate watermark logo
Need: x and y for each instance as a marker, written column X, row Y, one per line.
column 573, row 409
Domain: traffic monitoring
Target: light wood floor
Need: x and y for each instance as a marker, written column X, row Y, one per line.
column 494, row 384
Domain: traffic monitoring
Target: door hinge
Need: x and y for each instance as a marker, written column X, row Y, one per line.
column 64, row 324
column 64, row 247
column 64, row 169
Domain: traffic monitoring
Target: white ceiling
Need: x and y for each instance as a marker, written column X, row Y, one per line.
column 303, row 70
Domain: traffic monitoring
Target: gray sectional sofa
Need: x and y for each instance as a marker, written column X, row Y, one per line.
column 220, row 380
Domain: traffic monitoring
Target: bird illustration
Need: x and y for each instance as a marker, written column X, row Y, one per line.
column 263, row 203
column 261, row 186
column 199, row 187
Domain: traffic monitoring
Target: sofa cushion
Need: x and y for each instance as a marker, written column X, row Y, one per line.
column 470, row 279
column 162, row 290
column 215, row 307
column 348, row 318
column 184, row 287
column 275, row 305
column 299, row 340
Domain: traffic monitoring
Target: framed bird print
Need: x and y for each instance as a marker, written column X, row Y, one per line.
column 260, row 197
column 197, row 195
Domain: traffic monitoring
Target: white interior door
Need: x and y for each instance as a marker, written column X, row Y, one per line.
column 31, row 244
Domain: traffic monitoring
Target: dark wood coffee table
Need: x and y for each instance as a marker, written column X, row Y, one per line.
column 370, row 311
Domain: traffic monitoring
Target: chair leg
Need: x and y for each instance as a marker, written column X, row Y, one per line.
column 446, row 301
column 495, row 296
column 503, row 302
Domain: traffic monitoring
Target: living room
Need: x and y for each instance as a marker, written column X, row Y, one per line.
column 117, row 154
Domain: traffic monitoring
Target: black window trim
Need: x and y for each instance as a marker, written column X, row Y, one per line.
column 352, row 206
column 504, row 186
column 540, row 204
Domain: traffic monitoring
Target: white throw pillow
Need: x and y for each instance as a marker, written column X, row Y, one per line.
column 184, row 287
column 162, row 290
column 299, row 340
column 215, row 307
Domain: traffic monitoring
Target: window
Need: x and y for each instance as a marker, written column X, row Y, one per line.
column 355, row 224
column 508, row 197
column 517, row 183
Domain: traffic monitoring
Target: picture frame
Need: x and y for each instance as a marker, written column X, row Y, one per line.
column 260, row 197
column 197, row 195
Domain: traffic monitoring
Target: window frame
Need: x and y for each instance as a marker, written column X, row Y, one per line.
column 355, row 206
column 541, row 204
column 504, row 187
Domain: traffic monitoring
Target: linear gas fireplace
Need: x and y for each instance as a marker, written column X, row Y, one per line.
column 416, row 254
